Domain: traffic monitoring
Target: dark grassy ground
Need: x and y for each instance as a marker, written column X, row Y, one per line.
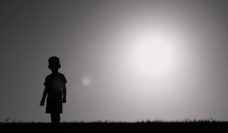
column 199, row 126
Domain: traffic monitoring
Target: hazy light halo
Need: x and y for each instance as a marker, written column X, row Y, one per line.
column 153, row 48
column 86, row 81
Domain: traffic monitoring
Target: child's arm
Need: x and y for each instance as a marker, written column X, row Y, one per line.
column 64, row 94
column 43, row 97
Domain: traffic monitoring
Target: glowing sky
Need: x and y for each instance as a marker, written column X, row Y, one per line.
column 123, row 60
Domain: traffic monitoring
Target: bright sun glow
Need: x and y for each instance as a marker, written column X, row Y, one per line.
column 153, row 54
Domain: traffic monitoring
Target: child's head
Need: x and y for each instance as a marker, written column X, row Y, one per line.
column 54, row 63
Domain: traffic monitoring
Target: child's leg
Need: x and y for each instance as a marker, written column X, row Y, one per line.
column 55, row 117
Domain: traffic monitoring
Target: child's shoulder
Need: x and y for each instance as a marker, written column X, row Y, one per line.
column 61, row 74
column 63, row 77
column 49, row 75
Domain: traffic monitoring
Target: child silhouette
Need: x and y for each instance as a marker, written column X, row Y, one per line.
column 55, row 90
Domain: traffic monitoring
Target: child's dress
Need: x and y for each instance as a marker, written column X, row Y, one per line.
column 54, row 84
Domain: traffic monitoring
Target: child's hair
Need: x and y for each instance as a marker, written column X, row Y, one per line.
column 54, row 62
